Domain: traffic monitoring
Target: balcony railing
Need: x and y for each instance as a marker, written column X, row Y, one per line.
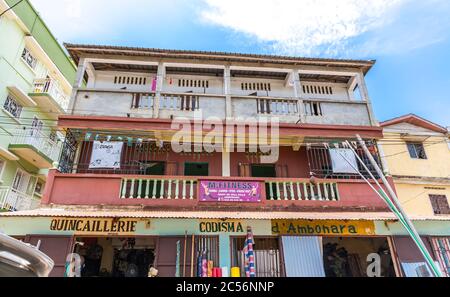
column 14, row 200
column 293, row 189
column 50, row 87
column 182, row 192
column 186, row 188
column 168, row 101
column 41, row 142
column 158, row 188
column 277, row 106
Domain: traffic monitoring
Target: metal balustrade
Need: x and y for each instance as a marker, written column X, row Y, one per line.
column 14, row 200
column 299, row 190
column 38, row 140
column 158, row 188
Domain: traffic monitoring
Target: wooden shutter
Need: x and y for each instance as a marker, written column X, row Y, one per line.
column 440, row 204
column 56, row 247
column 244, row 170
column 281, row 170
column 172, row 168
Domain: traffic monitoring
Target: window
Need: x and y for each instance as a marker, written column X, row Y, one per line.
column 29, row 58
column 193, row 83
column 440, row 204
column 255, row 86
column 313, row 108
column 13, row 107
column 39, row 188
column 196, row 169
column 416, row 150
column 316, row 89
column 266, row 254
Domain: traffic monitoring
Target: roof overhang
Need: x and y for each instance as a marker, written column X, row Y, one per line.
column 57, row 212
column 79, row 50
column 164, row 129
column 415, row 120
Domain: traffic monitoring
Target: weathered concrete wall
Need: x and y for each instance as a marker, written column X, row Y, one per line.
column 341, row 114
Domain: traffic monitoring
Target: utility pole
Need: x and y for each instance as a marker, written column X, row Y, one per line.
column 401, row 213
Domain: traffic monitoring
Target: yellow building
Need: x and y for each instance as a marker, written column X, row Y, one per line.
column 416, row 154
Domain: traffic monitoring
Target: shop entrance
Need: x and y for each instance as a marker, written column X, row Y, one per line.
column 115, row 257
column 347, row 256
column 315, row 256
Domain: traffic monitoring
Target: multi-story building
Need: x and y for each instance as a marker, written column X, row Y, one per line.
column 126, row 195
column 417, row 156
column 35, row 86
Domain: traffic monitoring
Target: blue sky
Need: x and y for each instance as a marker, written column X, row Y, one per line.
column 410, row 39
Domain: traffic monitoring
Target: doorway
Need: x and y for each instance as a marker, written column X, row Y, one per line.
column 196, row 169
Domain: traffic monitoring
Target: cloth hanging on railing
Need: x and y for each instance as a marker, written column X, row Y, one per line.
column 249, row 255
column 340, row 159
column 106, row 155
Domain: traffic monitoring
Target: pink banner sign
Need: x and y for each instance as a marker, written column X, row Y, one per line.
column 230, row 191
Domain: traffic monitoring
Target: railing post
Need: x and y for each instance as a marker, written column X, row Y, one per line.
column 177, row 192
column 161, row 191
column 124, row 188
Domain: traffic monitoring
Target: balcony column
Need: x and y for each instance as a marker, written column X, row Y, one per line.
column 365, row 97
column 226, row 168
column 383, row 159
column 82, row 65
column 298, row 94
column 227, row 91
column 159, row 87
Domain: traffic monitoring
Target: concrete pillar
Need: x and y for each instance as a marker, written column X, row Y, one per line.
column 365, row 97
column 226, row 168
column 78, row 83
column 298, row 94
column 159, row 87
column 227, row 91
column 383, row 159
column 225, row 251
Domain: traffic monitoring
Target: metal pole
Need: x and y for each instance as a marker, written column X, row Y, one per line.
column 412, row 230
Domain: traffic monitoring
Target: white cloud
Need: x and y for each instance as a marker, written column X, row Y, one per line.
column 301, row 26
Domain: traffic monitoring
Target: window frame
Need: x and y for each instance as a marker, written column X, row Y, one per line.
column 27, row 53
column 6, row 106
column 436, row 205
column 412, row 148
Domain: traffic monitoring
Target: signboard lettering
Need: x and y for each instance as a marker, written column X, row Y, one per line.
column 94, row 226
column 322, row 227
column 220, row 227
column 230, row 191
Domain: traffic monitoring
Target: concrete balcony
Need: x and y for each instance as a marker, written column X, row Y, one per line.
column 14, row 200
column 48, row 95
column 35, row 147
column 182, row 193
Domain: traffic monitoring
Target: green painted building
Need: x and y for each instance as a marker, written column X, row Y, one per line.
column 35, row 87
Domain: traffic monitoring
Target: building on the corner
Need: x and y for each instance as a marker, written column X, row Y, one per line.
column 124, row 198
column 416, row 153
column 35, row 86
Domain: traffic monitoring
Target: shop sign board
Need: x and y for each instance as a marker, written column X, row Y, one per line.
column 229, row 191
column 94, row 226
column 221, row 226
column 323, row 227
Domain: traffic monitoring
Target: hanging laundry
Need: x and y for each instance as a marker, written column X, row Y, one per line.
column 204, row 265
column 154, row 84
column 249, row 256
column 199, row 264
column 341, row 160
column 210, row 268
column 106, row 155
